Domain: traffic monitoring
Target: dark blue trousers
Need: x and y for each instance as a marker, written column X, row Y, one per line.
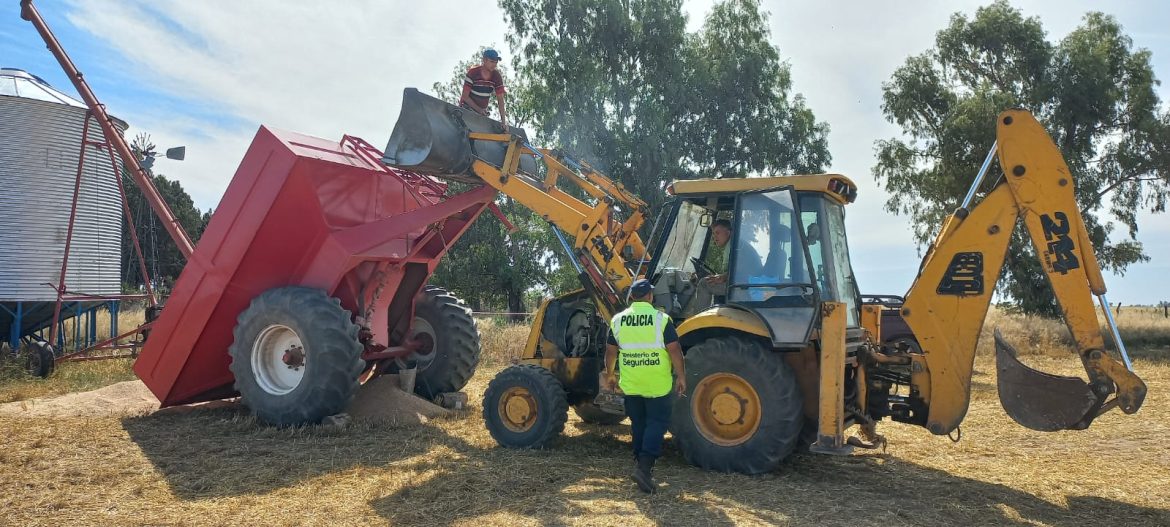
column 649, row 419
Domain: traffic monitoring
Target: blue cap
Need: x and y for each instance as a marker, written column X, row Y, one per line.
column 490, row 53
column 640, row 288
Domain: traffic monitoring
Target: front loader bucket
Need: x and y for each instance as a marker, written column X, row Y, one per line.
column 1041, row 401
column 431, row 137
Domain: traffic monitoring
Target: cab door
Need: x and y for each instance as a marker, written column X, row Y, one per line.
column 770, row 272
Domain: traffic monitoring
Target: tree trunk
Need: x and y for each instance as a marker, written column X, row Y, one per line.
column 516, row 304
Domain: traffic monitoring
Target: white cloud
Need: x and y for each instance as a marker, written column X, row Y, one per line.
column 328, row 69
column 320, row 69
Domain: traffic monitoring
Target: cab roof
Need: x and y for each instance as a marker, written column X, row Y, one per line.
column 836, row 186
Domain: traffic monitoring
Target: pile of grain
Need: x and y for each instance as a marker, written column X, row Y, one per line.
column 379, row 401
column 127, row 398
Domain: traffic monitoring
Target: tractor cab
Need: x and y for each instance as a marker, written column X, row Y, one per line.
column 787, row 252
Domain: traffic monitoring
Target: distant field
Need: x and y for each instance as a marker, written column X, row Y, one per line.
column 217, row 467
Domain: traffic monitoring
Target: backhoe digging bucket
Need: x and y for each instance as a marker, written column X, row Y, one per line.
column 431, row 137
column 1041, row 401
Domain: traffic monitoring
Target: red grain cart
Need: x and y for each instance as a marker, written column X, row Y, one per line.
column 310, row 277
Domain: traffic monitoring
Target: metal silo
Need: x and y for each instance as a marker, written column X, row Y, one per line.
column 41, row 133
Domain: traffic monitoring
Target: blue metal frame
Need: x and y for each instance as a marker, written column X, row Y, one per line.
column 13, row 337
column 84, row 330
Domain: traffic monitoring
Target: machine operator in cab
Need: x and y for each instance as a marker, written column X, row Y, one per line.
column 714, row 285
column 644, row 354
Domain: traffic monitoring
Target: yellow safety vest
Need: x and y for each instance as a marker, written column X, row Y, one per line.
column 642, row 358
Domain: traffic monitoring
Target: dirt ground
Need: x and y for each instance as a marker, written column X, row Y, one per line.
column 216, row 466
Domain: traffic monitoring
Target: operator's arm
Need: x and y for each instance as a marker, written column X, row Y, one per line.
column 611, row 353
column 500, row 105
column 680, row 369
column 500, row 98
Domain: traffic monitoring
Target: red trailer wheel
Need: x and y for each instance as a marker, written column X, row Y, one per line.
column 296, row 356
column 449, row 351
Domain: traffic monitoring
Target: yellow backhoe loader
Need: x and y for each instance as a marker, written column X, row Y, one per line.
column 789, row 353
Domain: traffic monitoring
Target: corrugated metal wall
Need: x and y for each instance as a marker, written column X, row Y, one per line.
column 40, row 142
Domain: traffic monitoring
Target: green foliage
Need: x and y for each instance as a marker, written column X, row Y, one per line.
column 493, row 269
column 163, row 260
column 624, row 86
column 1093, row 92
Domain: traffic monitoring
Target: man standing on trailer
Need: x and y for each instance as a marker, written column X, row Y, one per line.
column 481, row 82
column 645, row 341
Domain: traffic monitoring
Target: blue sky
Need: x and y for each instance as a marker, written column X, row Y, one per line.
column 206, row 74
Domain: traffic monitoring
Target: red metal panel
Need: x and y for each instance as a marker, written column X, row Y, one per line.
column 299, row 211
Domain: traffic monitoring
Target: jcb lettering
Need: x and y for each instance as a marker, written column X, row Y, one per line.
column 1061, row 255
column 964, row 275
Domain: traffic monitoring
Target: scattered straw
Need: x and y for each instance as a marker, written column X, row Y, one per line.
column 216, row 466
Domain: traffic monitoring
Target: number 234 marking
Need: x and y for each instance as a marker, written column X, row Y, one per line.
column 1060, row 246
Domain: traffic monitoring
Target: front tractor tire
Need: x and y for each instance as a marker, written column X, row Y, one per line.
column 450, row 343
column 743, row 408
column 296, row 356
column 525, row 406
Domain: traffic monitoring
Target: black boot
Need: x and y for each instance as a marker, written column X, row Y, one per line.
column 643, row 476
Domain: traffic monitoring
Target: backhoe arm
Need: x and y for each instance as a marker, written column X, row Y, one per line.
column 435, row 137
column 948, row 302
column 600, row 240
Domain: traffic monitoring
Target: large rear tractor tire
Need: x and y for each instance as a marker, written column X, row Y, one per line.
column 525, row 406
column 591, row 414
column 450, row 340
column 296, row 356
column 742, row 412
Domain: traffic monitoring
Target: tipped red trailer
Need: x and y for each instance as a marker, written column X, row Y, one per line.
column 307, row 276
column 311, row 276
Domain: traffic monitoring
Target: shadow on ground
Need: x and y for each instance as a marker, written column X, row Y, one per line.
column 564, row 483
column 448, row 479
column 219, row 452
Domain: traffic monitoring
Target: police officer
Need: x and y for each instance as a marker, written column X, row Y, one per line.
column 643, row 346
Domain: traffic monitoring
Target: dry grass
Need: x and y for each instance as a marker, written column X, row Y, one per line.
column 1144, row 330
column 501, row 342
column 127, row 320
column 217, row 467
column 16, row 385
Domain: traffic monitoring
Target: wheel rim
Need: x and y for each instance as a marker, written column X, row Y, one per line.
column 424, row 333
column 726, row 409
column 279, row 359
column 517, row 409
